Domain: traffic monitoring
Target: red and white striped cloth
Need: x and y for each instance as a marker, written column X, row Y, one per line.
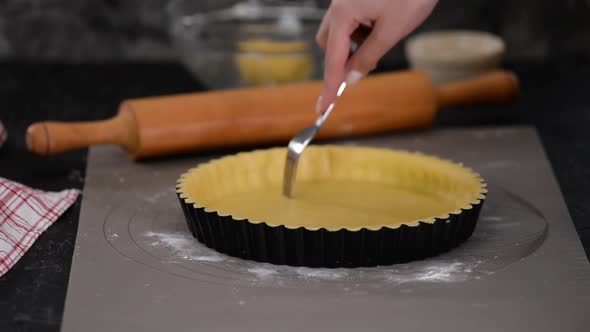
column 25, row 213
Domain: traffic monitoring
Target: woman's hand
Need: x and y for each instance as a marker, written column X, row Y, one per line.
column 388, row 20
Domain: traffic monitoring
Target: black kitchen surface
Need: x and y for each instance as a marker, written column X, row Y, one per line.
column 553, row 99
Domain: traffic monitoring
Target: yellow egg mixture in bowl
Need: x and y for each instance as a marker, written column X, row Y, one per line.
column 247, row 43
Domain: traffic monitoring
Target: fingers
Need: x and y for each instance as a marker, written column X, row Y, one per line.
column 361, row 33
column 386, row 33
column 337, row 49
column 322, row 35
column 339, row 26
column 381, row 26
column 377, row 43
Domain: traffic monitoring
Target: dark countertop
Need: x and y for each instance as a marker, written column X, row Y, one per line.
column 554, row 99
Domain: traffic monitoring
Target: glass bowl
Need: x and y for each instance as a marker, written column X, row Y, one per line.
column 232, row 44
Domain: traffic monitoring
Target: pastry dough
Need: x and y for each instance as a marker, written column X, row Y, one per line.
column 338, row 187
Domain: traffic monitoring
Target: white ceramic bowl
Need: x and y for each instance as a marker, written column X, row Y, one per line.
column 454, row 54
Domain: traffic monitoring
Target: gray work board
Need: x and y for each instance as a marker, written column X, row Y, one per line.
column 137, row 268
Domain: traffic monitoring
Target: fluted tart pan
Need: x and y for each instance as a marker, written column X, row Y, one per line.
column 354, row 206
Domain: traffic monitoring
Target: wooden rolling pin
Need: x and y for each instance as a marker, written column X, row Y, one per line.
column 156, row 126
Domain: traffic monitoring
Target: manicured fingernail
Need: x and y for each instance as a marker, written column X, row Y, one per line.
column 353, row 77
column 318, row 105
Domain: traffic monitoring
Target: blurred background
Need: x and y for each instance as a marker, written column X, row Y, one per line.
column 98, row 30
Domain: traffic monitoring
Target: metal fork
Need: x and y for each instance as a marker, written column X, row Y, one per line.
column 298, row 144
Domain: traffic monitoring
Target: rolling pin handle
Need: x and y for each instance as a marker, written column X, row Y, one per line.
column 37, row 139
column 498, row 86
column 46, row 138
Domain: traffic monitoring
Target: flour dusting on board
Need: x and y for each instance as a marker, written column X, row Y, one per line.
column 263, row 272
column 153, row 198
column 448, row 272
column 321, row 273
column 186, row 248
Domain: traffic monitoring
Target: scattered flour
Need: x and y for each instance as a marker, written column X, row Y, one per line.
column 263, row 272
column 157, row 196
column 440, row 272
column 320, row 273
column 185, row 247
column 433, row 273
